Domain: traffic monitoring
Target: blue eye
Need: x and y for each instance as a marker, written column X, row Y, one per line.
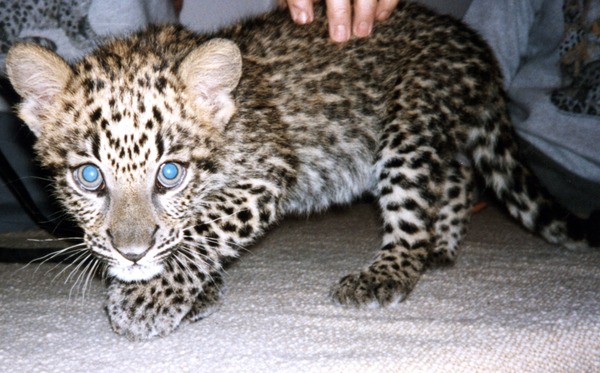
column 89, row 177
column 170, row 171
column 90, row 173
column 170, row 174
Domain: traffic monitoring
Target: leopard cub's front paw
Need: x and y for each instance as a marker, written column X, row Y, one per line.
column 144, row 310
column 371, row 290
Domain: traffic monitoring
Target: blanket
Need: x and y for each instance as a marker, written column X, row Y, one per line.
column 533, row 42
column 511, row 303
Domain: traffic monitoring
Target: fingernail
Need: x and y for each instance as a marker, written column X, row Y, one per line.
column 301, row 17
column 383, row 15
column 340, row 33
column 363, row 29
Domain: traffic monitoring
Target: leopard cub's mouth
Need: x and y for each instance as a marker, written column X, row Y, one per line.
column 134, row 259
column 133, row 272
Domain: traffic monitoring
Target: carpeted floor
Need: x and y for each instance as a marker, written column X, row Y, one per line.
column 511, row 303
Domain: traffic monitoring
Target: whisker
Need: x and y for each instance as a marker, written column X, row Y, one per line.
column 104, row 270
column 77, row 279
column 187, row 251
column 81, row 257
column 193, row 255
column 92, row 273
column 77, row 267
column 174, row 261
column 183, row 266
column 82, row 276
column 33, row 177
column 239, row 246
column 52, row 255
column 66, row 259
column 212, row 268
column 215, row 220
column 54, row 239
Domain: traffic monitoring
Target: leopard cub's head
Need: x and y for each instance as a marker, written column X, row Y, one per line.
column 132, row 136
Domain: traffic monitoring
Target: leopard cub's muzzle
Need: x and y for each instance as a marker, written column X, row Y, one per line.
column 133, row 231
column 133, row 241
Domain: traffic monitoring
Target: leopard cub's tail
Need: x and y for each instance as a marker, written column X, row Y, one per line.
column 494, row 152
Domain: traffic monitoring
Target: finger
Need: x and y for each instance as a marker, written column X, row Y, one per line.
column 339, row 15
column 385, row 8
column 364, row 15
column 301, row 11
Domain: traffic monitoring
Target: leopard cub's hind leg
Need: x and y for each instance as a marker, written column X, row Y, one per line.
column 454, row 214
column 410, row 188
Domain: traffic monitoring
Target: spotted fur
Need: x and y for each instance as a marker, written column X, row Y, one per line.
column 267, row 118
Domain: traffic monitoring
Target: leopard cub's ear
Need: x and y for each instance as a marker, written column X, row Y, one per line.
column 211, row 72
column 38, row 75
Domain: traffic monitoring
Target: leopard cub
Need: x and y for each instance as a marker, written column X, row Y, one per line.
column 172, row 150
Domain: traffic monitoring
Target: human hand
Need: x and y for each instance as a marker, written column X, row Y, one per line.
column 342, row 23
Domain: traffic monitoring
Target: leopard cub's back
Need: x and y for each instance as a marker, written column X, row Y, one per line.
column 331, row 106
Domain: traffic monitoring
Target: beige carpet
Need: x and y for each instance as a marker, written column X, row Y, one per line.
column 512, row 303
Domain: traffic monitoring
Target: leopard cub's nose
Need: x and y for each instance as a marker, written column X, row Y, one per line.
column 132, row 247
column 133, row 256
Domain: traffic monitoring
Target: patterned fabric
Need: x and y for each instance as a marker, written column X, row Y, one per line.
column 70, row 16
column 72, row 27
column 580, row 59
